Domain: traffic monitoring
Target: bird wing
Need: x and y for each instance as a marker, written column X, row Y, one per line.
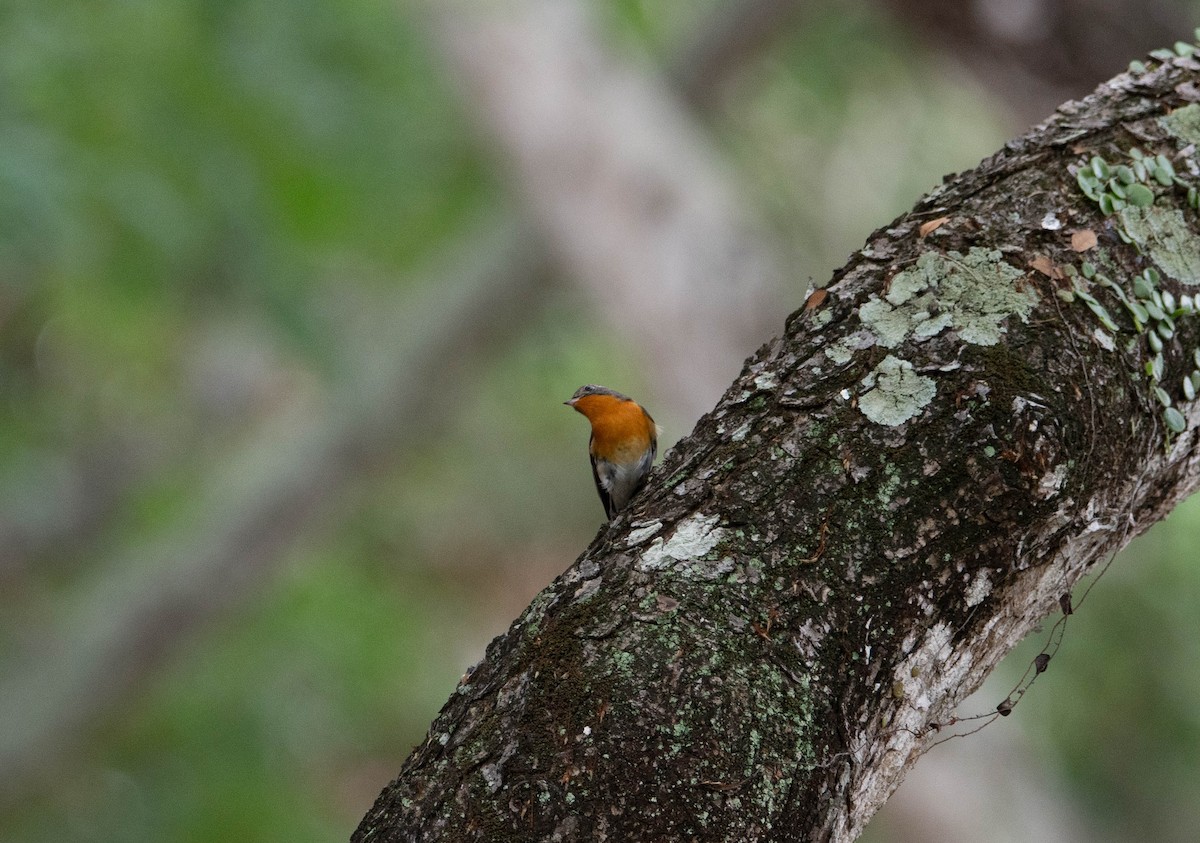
column 602, row 474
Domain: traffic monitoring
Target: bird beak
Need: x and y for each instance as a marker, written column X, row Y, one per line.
column 570, row 403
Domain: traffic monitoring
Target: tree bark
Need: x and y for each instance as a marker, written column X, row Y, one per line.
column 885, row 501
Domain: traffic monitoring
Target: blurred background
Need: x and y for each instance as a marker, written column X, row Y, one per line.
column 291, row 294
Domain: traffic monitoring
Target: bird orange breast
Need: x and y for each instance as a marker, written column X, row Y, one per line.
column 621, row 430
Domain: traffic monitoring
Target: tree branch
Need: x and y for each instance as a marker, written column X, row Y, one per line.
column 882, row 504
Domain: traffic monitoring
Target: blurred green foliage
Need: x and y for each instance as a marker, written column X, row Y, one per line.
column 165, row 160
column 185, row 186
column 253, row 734
column 193, row 193
column 1121, row 718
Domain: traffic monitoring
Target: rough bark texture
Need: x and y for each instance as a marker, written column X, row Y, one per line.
column 885, row 501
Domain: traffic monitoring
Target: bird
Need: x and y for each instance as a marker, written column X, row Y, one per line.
column 622, row 446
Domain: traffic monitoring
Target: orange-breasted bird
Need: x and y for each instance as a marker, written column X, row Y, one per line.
column 623, row 444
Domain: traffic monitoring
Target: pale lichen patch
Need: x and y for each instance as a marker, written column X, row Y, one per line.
column 906, row 285
column 692, row 539
column 1166, row 237
column 640, row 533
column 981, row 290
column 933, row 326
column 979, row 588
column 1184, row 123
column 843, row 350
column 740, row 434
column 839, row 353
column 891, row 325
column 766, row 381
column 896, row 392
column 972, row 293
